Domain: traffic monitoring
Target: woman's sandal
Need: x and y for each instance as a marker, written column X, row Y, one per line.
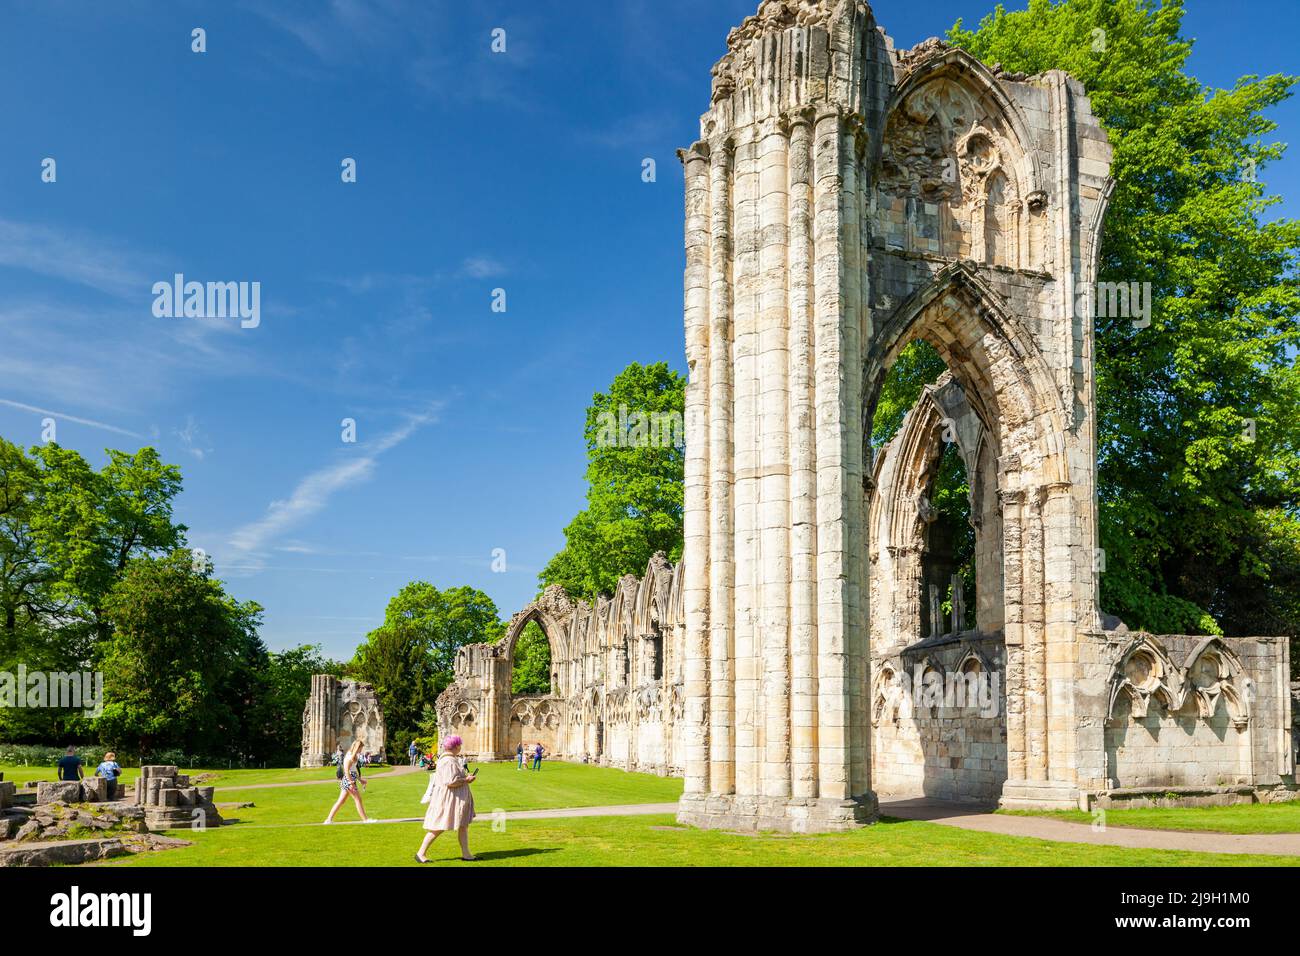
column 469, row 859
column 418, row 860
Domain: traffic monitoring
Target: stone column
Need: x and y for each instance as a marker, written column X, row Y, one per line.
column 774, row 458
column 745, row 277
column 832, row 507
column 721, row 529
column 803, row 457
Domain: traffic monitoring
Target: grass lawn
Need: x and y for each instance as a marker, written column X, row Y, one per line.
column 282, row 830
column 499, row 786
column 1241, row 818
column 655, row 841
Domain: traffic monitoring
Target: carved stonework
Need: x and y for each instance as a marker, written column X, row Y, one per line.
column 337, row 712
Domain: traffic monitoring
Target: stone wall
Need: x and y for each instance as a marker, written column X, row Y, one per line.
column 1198, row 712
column 337, row 712
column 616, row 680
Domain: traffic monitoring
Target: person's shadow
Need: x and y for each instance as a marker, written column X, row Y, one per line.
column 508, row 854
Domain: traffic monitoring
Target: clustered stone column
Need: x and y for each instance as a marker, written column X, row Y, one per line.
column 776, row 636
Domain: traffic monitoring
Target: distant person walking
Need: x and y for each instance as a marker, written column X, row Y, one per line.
column 519, row 752
column 110, row 771
column 414, row 753
column 537, row 756
column 70, row 766
column 350, row 783
column 451, row 804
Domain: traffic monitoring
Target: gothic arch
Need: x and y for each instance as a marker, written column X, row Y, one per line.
column 989, row 352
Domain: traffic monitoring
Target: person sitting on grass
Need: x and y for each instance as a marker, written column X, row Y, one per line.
column 350, row 783
column 451, row 804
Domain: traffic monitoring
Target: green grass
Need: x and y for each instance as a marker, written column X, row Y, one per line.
column 1239, row 818
column 282, row 830
column 499, row 786
column 635, row 841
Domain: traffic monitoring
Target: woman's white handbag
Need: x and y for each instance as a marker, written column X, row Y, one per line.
column 428, row 793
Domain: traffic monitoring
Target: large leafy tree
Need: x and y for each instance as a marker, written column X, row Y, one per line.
column 410, row 657
column 635, row 462
column 1199, row 465
column 67, row 533
column 178, row 663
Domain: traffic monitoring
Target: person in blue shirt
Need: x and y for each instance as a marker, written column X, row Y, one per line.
column 110, row 771
column 537, row 756
column 70, row 766
column 413, row 752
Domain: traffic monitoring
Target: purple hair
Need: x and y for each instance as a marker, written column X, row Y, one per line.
column 451, row 743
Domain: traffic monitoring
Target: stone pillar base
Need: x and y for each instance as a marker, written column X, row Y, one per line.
column 1040, row 795
column 715, row 811
column 314, row 760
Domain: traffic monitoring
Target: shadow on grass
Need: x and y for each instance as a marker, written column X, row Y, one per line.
column 508, row 854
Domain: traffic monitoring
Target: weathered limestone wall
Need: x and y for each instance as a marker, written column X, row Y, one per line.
column 337, row 712
column 843, row 199
column 616, row 680
column 939, row 720
column 1199, row 712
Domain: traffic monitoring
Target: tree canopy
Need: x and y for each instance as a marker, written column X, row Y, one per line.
column 1199, row 464
column 635, row 487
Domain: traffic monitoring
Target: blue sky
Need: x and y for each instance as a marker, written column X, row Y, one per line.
column 475, row 171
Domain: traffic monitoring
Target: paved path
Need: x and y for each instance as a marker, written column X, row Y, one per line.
column 490, row 816
column 332, row 781
column 1046, row 828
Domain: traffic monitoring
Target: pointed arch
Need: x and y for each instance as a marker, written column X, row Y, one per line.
column 989, row 352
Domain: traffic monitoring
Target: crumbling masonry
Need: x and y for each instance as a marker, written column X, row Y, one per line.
column 844, row 199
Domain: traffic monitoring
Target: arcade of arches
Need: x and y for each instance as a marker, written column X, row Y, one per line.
column 811, row 651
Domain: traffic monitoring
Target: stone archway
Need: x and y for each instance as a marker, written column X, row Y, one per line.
column 844, row 198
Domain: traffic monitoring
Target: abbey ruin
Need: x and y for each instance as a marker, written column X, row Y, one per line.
column 812, row 651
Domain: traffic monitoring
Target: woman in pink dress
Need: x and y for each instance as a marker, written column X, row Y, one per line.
column 451, row 805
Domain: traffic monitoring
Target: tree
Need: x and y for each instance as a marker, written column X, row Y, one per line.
column 635, row 486
column 281, row 685
column 1199, row 464
column 532, row 670
column 66, row 533
column 177, row 663
column 410, row 657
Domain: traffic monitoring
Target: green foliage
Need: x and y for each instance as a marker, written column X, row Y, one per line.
column 917, row 366
column 180, row 658
column 532, row 665
column 283, row 684
column 66, row 535
column 635, row 462
column 1198, row 509
column 410, row 657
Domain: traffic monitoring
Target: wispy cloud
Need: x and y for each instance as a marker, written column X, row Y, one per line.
column 65, row 417
column 192, row 439
column 73, row 257
column 313, row 493
column 482, row 267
